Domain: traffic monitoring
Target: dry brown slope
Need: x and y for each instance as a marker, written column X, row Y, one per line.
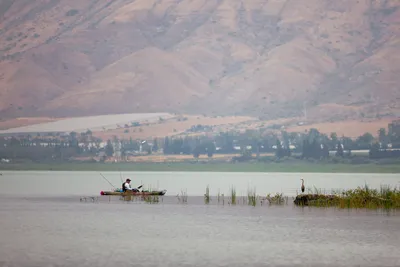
column 133, row 78
column 263, row 57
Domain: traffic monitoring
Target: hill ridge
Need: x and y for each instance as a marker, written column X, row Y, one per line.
column 265, row 58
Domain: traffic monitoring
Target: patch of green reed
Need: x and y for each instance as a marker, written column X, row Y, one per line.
column 207, row 195
column 232, row 198
column 252, row 197
column 361, row 197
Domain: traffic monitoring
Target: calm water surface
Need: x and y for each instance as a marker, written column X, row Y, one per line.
column 45, row 224
column 91, row 183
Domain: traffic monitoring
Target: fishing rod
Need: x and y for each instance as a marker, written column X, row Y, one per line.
column 107, row 180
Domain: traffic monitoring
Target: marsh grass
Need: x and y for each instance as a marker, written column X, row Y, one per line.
column 252, row 197
column 361, row 197
column 151, row 199
column 182, row 197
column 207, row 195
column 232, row 198
column 278, row 199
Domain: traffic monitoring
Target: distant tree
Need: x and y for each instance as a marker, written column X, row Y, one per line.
column 279, row 153
column 313, row 134
column 365, row 140
column 14, row 142
column 155, row 144
column 256, row 144
column 285, row 137
column 210, row 148
column 334, row 138
column 325, row 151
column 73, row 141
column 339, row 151
column 167, row 146
column 109, row 149
column 227, row 142
column 123, row 153
column 186, row 146
column 293, row 138
column 347, row 143
column 382, row 134
column 315, row 149
column 148, row 149
column 176, row 146
column 374, row 151
column 383, row 138
column 196, row 152
column 306, row 149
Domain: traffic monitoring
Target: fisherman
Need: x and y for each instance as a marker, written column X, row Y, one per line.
column 127, row 186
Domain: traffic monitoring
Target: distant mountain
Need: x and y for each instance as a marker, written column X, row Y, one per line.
column 269, row 58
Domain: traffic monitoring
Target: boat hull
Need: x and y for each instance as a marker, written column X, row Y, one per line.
column 130, row 193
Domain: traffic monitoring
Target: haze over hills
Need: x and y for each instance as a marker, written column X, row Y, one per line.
column 251, row 57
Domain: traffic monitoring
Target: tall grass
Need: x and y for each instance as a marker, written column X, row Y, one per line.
column 361, row 197
column 252, row 197
column 207, row 195
column 278, row 198
column 182, row 197
column 232, row 198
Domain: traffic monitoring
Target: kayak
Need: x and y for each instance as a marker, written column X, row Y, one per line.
column 130, row 193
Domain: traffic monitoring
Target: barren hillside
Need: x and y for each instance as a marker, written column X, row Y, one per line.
column 253, row 57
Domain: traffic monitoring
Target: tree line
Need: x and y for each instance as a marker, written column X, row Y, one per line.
column 310, row 144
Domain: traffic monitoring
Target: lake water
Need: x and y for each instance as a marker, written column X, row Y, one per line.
column 52, row 183
column 43, row 223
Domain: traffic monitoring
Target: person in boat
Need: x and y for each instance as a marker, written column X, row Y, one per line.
column 126, row 186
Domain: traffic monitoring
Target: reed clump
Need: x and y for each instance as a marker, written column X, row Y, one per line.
column 278, row 198
column 182, row 197
column 232, row 198
column 207, row 195
column 252, row 197
column 361, row 197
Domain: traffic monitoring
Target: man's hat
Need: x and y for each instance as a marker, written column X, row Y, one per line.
column 128, row 180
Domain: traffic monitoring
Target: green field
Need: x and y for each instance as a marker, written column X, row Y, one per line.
column 211, row 167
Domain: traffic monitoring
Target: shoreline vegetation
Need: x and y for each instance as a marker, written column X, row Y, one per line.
column 203, row 148
column 285, row 166
column 361, row 197
column 386, row 198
